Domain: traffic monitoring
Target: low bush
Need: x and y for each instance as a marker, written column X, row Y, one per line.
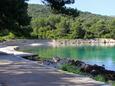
column 70, row 68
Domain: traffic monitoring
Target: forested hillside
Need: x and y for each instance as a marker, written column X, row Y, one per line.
column 46, row 25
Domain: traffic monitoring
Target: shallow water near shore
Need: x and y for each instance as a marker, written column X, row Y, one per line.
column 99, row 55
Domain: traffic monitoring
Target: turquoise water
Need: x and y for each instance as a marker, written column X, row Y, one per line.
column 89, row 54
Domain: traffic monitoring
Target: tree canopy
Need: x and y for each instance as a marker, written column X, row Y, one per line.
column 47, row 25
column 58, row 6
column 68, row 23
column 14, row 17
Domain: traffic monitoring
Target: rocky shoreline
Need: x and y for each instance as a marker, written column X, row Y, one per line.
column 14, row 66
column 93, row 70
column 56, row 62
column 78, row 42
column 59, row 42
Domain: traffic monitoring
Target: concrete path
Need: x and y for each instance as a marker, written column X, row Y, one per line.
column 11, row 50
column 17, row 71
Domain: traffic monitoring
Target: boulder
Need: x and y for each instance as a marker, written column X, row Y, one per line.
column 88, row 68
column 94, row 70
column 109, row 74
column 94, row 73
column 71, row 62
column 99, row 69
column 79, row 63
column 47, row 62
column 56, row 59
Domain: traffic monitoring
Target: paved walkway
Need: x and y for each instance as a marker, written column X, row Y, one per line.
column 16, row 71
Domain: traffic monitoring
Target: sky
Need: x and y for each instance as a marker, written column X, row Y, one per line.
column 103, row 7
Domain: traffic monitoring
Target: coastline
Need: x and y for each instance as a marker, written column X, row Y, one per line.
column 79, row 42
column 12, row 49
column 59, row 42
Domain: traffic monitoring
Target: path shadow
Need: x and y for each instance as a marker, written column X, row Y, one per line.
column 32, row 74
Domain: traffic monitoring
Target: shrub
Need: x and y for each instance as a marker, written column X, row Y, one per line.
column 100, row 78
column 70, row 68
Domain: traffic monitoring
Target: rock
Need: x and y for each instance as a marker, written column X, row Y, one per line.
column 100, row 69
column 82, row 67
column 62, row 61
column 90, row 69
column 110, row 75
column 16, row 47
column 56, row 59
column 71, row 62
column 94, row 73
column 87, row 68
column 47, row 62
column 79, row 63
column 50, row 63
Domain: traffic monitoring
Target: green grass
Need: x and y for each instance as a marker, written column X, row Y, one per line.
column 113, row 84
column 99, row 78
column 70, row 68
column 73, row 69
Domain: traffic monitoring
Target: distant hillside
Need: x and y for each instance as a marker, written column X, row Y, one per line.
column 87, row 25
column 36, row 10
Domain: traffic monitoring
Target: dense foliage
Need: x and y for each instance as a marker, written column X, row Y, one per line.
column 14, row 19
column 58, row 7
column 46, row 25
